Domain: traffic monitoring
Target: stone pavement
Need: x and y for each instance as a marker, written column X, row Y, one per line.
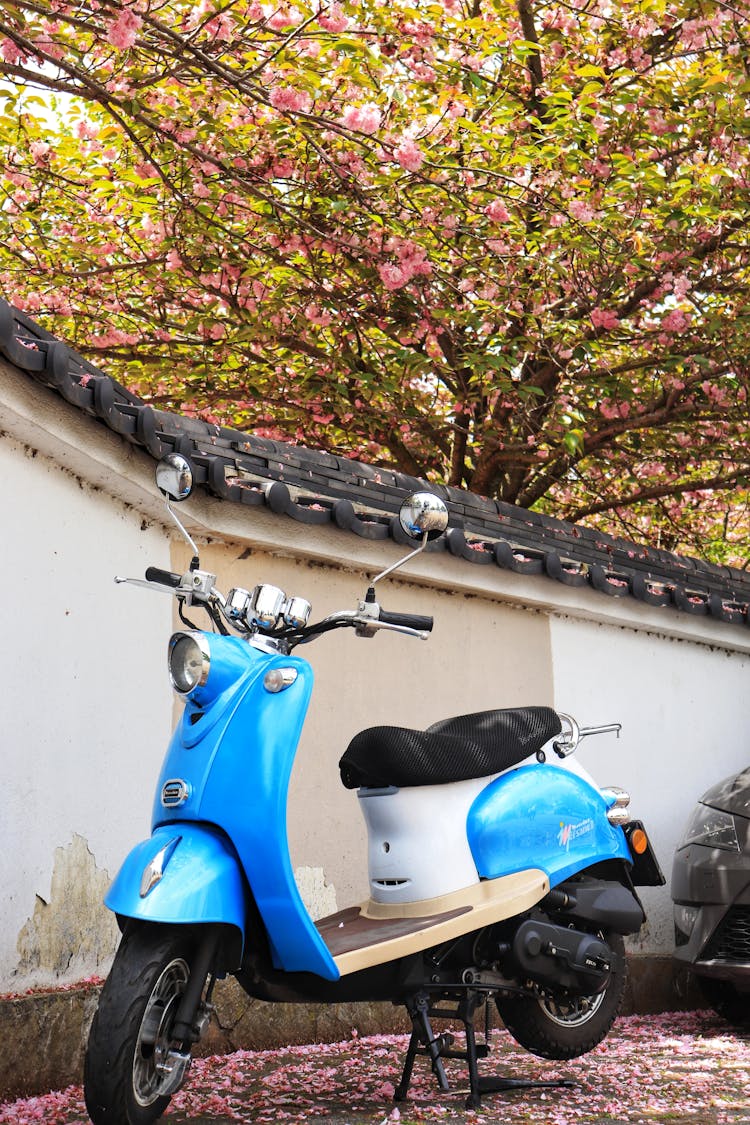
column 681, row 1068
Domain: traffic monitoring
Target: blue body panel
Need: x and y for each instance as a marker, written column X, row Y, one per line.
column 541, row 816
column 232, row 754
column 202, row 880
column 235, row 746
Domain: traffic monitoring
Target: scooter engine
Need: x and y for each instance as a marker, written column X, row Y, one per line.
column 570, row 959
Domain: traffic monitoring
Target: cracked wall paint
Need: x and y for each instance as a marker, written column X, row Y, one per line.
column 73, row 934
column 318, row 896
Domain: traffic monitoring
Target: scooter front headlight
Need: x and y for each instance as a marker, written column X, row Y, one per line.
column 188, row 660
column 712, row 828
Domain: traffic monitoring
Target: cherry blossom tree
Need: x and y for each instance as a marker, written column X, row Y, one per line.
column 497, row 244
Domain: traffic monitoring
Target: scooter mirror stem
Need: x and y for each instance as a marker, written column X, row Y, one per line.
column 405, row 559
column 194, row 563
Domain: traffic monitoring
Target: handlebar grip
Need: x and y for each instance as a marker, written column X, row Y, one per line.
column 163, row 577
column 407, row 620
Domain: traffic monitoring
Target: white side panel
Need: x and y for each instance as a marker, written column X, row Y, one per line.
column 417, row 845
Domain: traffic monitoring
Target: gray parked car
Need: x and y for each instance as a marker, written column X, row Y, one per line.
column 711, row 892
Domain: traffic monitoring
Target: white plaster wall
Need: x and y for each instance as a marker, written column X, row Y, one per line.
column 86, row 708
column 88, row 711
column 685, row 725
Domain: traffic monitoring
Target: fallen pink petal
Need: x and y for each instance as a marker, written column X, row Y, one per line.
column 679, row 1068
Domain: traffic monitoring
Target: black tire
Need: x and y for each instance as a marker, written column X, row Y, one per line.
column 130, row 1032
column 564, row 1027
column 727, row 1001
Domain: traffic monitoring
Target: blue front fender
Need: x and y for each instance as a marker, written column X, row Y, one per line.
column 201, row 879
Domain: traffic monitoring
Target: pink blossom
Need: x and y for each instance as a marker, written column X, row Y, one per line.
column 112, row 338
column 497, row 211
column 365, row 118
column 40, row 150
column 675, row 321
column 11, row 52
column 581, row 210
column 287, row 98
column 86, row 131
column 604, row 318
column 680, row 1065
column 681, row 286
column 409, row 155
column 125, row 29
column 335, row 20
column 221, row 27
column 283, row 18
column 656, row 123
column 611, row 410
column 317, row 316
column 393, row 276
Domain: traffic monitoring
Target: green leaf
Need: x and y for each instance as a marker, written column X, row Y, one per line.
column 573, row 440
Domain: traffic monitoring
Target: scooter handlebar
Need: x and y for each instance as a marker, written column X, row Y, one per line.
column 163, row 577
column 407, row 620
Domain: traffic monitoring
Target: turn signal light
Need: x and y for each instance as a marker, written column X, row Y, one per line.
column 638, row 841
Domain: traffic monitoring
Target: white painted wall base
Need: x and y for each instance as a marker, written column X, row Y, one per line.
column 86, row 711
column 684, row 726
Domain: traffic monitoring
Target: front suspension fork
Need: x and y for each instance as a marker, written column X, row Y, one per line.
column 187, row 1025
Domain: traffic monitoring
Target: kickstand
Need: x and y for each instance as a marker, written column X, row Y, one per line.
column 423, row 1041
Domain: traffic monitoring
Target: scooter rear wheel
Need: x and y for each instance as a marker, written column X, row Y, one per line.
column 563, row 1026
column 126, row 1071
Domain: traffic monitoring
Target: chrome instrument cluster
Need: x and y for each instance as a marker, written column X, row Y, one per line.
column 266, row 607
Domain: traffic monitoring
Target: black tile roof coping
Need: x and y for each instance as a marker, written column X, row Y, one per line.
column 315, row 487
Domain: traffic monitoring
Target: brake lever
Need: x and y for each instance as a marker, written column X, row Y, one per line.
column 368, row 626
column 160, row 586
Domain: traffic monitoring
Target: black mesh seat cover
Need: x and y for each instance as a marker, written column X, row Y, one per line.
column 452, row 750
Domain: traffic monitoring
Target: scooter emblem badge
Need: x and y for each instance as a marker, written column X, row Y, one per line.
column 569, row 832
column 174, row 793
column 153, row 872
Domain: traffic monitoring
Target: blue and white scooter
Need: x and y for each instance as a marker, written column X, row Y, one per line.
column 493, row 874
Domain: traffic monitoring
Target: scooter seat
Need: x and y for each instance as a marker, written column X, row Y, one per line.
column 456, row 749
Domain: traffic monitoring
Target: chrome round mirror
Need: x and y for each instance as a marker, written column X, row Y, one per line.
column 422, row 514
column 174, row 477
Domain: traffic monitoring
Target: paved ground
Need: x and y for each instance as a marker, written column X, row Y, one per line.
column 675, row 1069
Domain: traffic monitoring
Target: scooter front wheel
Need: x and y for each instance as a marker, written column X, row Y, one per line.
column 133, row 1066
column 562, row 1026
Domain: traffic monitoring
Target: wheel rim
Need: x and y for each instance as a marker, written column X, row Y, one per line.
column 573, row 1011
column 154, row 1041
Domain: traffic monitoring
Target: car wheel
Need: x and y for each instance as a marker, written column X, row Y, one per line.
column 731, row 1004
